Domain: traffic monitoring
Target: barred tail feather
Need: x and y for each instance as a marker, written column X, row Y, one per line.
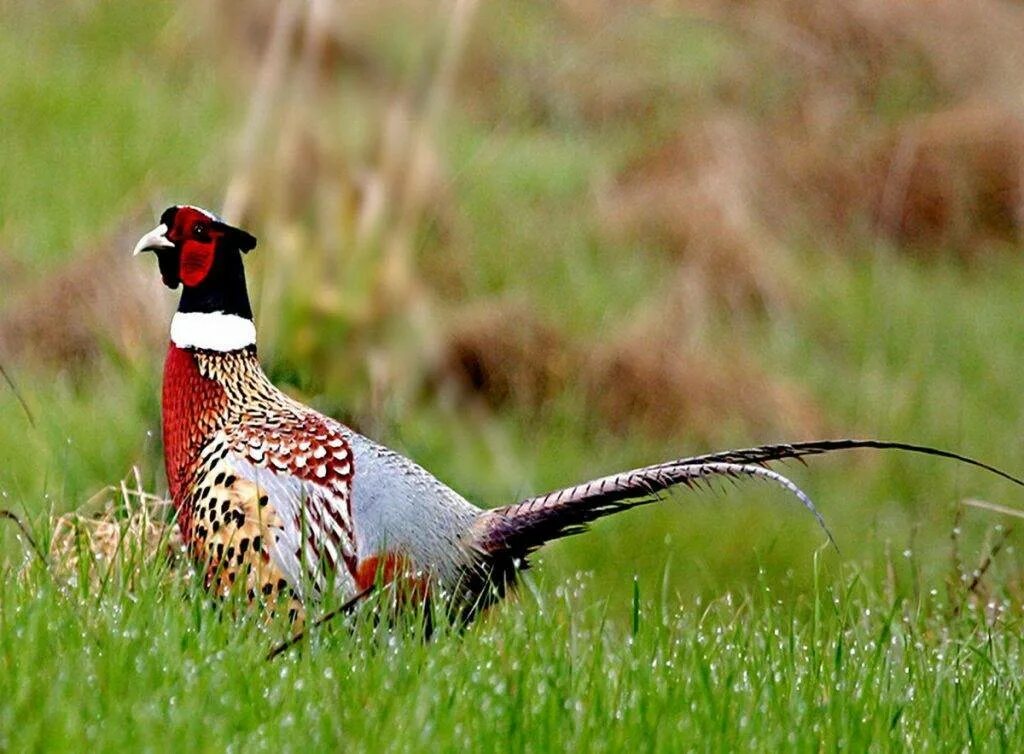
column 516, row 530
column 798, row 450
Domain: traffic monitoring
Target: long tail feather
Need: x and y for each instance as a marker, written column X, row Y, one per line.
column 519, row 529
column 516, row 530
column 798, row 450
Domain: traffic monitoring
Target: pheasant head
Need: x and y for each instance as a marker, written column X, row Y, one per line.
column 203, row 254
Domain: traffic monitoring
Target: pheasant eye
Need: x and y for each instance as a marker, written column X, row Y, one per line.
column 199, row 231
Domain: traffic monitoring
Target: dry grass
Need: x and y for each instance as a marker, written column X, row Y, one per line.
column 120, row 533
column 863, row 120
column 343, row 183
column 660, row 375
column 955, row 180
column 645, row 384
column 656, row 375
column 96, row 305
column 344, row 214
column 696, row 197
column 504, row 353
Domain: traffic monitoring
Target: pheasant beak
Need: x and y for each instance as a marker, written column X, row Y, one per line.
column 155, row 240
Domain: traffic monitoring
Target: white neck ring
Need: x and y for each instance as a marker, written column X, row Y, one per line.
column 213, row 331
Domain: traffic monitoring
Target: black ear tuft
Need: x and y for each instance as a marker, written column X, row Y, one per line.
column 237, row 237
column 245, row 241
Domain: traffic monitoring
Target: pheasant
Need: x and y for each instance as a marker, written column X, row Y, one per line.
column 282, row 502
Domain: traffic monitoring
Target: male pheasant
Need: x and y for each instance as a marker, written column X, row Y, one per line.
column 280, row 501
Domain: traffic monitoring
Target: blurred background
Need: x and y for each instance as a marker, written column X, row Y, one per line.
column 531, row 243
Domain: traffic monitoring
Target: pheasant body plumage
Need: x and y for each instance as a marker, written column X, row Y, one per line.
column 283, row 502
column 231, row 439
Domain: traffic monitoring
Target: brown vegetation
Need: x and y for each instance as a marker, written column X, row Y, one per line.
column 95, row 305
column 126, row 532
column 504, row 353
column 652, row 377
column 843, row 124
column 645, row 382
column 696, row 196
column 855, row 120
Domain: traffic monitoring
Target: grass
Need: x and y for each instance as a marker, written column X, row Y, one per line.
column 87, row 100
column 844, row 666
column 713, row 622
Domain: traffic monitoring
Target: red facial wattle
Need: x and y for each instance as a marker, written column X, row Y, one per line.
column 196, row 260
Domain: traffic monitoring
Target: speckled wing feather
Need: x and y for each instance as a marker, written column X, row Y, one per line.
column 304, row 465
column 253, row 507
column 290, row 471
column 232, row 529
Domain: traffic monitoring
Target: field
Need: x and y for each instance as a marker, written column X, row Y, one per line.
column 528, row 245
